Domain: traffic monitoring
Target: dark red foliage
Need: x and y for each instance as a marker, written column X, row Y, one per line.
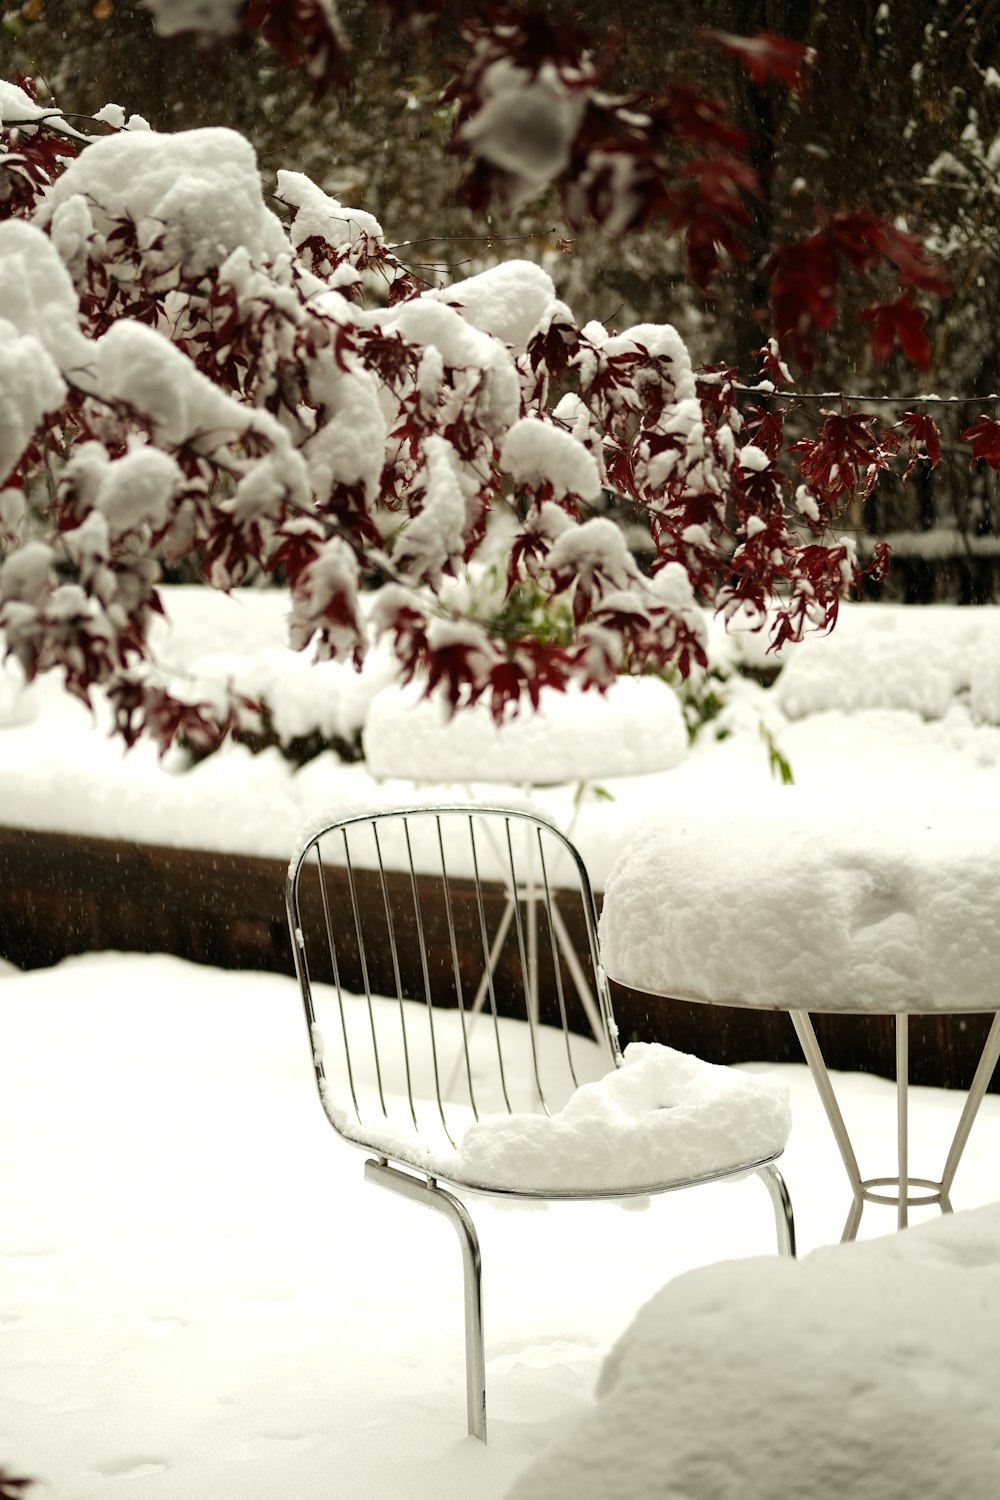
column 845, row 459
column 530, row 667
column 554, row 348
column 766, row 56
column 803, row 281
column 710, row 210
column 696, row 118
column 388, row 355
column 766, row 430
column 900, row 322
column 402, row 288
column 915, row 267
column 12, row 1488
column 303, row 31
column 760, row 493
column 282, row 483
column 923, row 437
column 142, row 710
column 30, row 161
column 984, row 435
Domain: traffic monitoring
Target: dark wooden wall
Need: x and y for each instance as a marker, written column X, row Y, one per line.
column 62, row 894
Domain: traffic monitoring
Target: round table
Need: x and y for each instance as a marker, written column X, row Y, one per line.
column 811, row 907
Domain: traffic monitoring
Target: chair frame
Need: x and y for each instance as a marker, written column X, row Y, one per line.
column 394, row 1170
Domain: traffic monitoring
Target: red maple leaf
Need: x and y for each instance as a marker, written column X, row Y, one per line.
column 765, row 55
column 554, row 348
column 844, row 455
column 863, row 239
column 772, row 366
column 802, row 278
column 922, row 432
column 303, row 31
column 766, row 430
column 711, row 210
column 459, row 669
column 914, row 267
column 857, row 238
column 533, row 666
column 984, row 435
column 899, row 322
column 697, row 119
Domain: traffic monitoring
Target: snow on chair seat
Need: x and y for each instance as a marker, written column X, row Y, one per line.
column 441, row 1004
column 662, row 1118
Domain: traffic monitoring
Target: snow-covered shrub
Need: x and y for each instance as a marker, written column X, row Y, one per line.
column 188, row 370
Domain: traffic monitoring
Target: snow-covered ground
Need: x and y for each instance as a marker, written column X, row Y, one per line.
column 898, row 706
column 200, row 1296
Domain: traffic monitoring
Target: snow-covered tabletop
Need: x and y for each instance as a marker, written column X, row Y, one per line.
column 802, row 905
column 636, row 728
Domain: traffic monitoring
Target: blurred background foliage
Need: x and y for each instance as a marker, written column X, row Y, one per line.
column 902, row 117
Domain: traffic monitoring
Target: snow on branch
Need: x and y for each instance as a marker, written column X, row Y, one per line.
column 186, row 373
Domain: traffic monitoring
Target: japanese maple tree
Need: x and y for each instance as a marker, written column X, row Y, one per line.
column 189, row 370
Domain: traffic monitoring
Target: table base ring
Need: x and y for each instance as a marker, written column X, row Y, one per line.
column 934, row 1194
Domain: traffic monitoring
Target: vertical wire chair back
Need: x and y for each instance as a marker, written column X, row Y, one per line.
column 444, row 987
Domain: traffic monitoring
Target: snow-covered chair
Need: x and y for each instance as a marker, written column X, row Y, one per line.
column 394, row 919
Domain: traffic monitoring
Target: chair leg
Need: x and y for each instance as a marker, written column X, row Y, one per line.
column 781, row 1202
column 426, row 1191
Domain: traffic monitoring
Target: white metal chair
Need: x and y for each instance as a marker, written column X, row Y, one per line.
column 445, row 1028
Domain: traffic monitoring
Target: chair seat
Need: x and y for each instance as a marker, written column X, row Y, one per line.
column 664, row 1118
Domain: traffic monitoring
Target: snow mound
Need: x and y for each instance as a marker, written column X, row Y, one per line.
column 633, row 729
column 866, row 1370
column 898, row 657
column 508, row 301
column 302, row 698
column 18, row 699
column 809, row 906
column 199, row 620
column 538, row 453
column 324, row 217
column 197, row 192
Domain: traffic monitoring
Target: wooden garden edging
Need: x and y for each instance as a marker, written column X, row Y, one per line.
column 62, row 894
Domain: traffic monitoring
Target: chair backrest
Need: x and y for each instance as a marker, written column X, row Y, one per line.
column 449, row 968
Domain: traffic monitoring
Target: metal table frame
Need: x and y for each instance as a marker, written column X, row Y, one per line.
column 867, row 1190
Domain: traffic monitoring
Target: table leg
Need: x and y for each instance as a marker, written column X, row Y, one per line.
column 863, row 1190
column 977, row 1088
column 802, row 1022
column 902, row 1123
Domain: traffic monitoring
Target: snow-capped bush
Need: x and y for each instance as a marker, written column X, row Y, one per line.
column 187, row 372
